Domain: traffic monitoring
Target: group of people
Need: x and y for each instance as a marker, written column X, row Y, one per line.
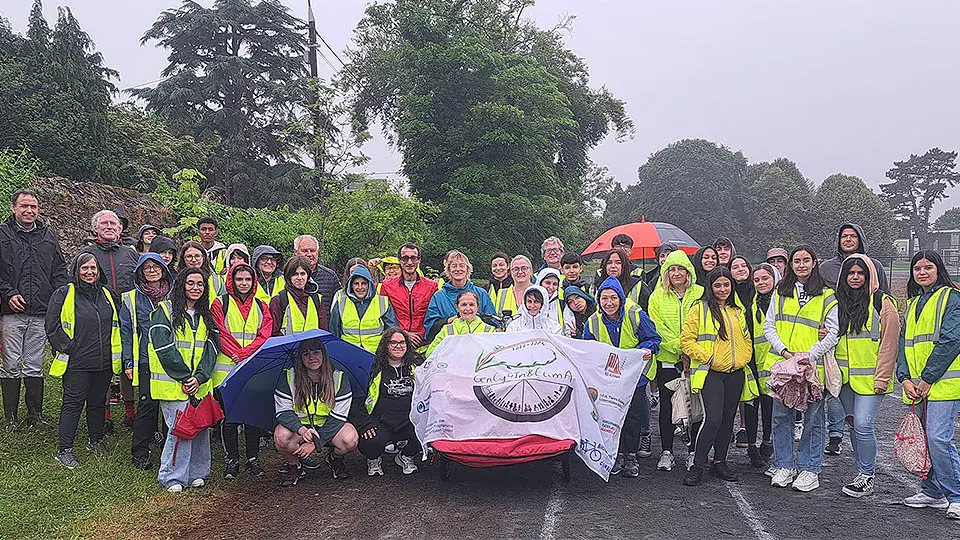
column 173, row 321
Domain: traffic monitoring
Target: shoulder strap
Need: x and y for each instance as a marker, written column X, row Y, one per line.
column 224, row 302
column 284, row 300
column 878, row 301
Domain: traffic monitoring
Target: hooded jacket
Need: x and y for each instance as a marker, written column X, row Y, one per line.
column 144, row 228
column 410, row 305
column 701, row 274
column 668, row 311
column 164, row 243
column 443, row 305
column 144, row 306
column 830, row 268
column 554, row 304
column 571, row 319
column 541, row 321
column 733, row 249
column 268, row 288
column 31, row 265
column 217, row 256
column 229, row 253
column 118, row 262
column 652, row 276
column 389, row 318
column 90, row 348
column 228, row 344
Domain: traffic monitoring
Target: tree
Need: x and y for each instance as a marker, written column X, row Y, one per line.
column 493, row 116
column 777, row 206
column 235, row 79
column 949, row 220
column 847, row 199
column 917, row 184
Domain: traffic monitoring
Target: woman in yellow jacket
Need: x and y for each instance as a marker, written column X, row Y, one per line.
column 716, row 340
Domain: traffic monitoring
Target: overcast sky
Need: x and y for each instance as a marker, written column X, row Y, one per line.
column 846, row 86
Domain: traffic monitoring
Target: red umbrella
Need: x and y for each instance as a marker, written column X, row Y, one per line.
column 647, row 237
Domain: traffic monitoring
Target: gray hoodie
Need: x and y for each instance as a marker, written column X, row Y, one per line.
column 830, row 268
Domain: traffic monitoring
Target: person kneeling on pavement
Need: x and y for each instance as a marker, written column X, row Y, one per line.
column 312, row 401
column 384, row 416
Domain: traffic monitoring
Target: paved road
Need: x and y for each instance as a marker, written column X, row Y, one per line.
column 531, row 501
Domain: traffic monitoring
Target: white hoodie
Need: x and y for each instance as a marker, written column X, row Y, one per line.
column 542, row 321
column 553, row 306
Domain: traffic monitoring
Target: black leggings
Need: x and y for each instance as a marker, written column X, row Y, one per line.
column 720, row 396
column 666, row 374
column 82, row 388
column 230, row 437
column 752, row 415
column 373, row 448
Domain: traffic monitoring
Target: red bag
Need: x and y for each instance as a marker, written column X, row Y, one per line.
column 911, row 444
column 196, row 418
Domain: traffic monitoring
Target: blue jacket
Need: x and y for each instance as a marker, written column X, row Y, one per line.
column 443, row 305
column 389, row 318
column 945, row 350
column 145, row 307
column 646, row 333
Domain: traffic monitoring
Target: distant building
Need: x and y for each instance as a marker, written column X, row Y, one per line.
column 947, row 244
column 902, row 247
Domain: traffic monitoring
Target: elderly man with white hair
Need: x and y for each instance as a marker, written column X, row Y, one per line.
column 328, row 282
column 552, row 251
column 118, row 261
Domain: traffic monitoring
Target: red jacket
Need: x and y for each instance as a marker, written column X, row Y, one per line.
column 409, row 305
column 228, row 345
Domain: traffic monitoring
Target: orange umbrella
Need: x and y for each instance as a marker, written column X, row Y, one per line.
column 647, row 237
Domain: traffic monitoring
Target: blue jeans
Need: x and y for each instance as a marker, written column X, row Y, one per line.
column 863, row 435
column 835, row 414
column 809, row 456
column 944, row 477
column 193, row 457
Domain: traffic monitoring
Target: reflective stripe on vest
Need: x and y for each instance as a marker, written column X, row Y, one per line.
column 244, row 331
column 921, row 335
column 798, row 326
column 365, row 332
column 190, row 344
column 315, row 412
column 857, row 355
column 294, row 321
column 628, row 334
column 706, row 340
column 506, row 301
column 68, row 319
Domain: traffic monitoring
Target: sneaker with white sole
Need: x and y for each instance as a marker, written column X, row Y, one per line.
column 953, row 511
column 374, row 467
column 689, row 461
column 783, row 477
column 198, row 483
column 645, row 449
column 406, row 463
column 922, row 500
column 667, row 462
column 861, row 486
column 67, row 459
column 806, row 481
column 176, row 488
column 772, row 471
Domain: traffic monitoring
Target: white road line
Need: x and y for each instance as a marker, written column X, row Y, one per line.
column 753, row 520
column 551, row 516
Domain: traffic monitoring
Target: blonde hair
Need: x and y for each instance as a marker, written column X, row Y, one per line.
column 455, row 255
column 669, row 286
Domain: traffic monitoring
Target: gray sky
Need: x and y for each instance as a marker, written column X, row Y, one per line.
column 835, row 86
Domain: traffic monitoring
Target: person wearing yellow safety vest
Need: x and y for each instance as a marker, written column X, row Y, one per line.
column 716, row 340
column 928, row 367
column 621, row 323
column 549, row 279
column 312, row 401
column 348, row 268
column 867, row 352
column 245, row 324
column 184, row 342
column 83, row 326
column 509, row 299
column 192, row 255
column 384, row 416
column 675, row 293
column 466, row 322
column 270, row 280
column 801, row 305
column 153, row 282
column 298, row 307
column 361, row 315
column 500, row 278
column 765, row 279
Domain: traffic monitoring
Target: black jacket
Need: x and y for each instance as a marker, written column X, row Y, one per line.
column 89, row 350
column 328, row 282
column 117, row 262
column 31, row 265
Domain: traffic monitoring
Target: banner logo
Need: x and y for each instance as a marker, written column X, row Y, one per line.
column 614, row 364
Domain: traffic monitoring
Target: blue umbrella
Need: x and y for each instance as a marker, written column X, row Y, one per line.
column 248, row 389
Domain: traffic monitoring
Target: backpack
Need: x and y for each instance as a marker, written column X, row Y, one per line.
column 911, row 444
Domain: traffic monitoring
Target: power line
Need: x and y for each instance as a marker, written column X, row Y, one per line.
column 335, row 55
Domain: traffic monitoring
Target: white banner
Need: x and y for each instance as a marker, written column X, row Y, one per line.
column 504, row 386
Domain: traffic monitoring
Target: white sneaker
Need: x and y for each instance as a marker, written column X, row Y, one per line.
column 666, row 462
column 374, row 467
column 198, row 483
column 406, row 463
column 806, row 481
column 689, row 461
column 953, row 511
column 772, row 471
column 921, row 500
column 176, row 488
column 797, row 431
column 783, row 477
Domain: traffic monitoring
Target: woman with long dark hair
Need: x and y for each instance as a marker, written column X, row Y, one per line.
column 616, row 263
column 928, row 366
column 705, row 260
column 765, row 279
column 312, row 400
column 184, row 343
column 801, row 305
column 716, row 340
column 384, row 416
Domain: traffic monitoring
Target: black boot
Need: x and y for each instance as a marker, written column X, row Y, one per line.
column 694, row 476
column 10, row 389
column 34, row 399
column 756, row 460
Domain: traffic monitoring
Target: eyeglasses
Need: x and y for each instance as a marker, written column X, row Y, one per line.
column 194, row 284
column 520, row 269
column 152, row 268
column 193, row 257
column 410, row 258
column 553, row 250
column 398, row 344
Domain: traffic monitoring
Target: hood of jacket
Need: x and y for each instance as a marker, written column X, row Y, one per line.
column 861, row 244
column 573, row 290
column 144, row 228
column 676, row 258
column 538, row 320
column 361, row 272
column 871, row 270
column 75, row 272
column 612, row 283
column 235, row 247
column 733, row 248
column 260, row 251
column 138, row 276
column 163, row 243
column 230, row 275
column 551, row 272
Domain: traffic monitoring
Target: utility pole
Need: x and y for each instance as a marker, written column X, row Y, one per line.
column 314, row 74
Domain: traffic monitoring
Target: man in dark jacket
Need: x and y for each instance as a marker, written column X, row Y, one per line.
column 327, row 281
column 119, row 262
column 31, row 268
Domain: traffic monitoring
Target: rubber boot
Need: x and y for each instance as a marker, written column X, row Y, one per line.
column 34, row 399
column 10, row 389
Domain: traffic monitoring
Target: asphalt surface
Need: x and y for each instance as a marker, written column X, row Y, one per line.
column 532, row 501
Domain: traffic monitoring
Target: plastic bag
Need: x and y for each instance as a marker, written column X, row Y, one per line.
column 911, row 444
column 832, row 373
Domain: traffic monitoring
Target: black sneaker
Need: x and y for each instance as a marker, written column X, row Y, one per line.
column 290, row 475
column 741, row 439
column 646, row 446
column 756, row 460
column 618, row 464
column 253, row 467
column 631, row 467
column 861, row 486
column 66, row 458
column 722, row 471
column 97, row 447
column 833, row 447
column 766, row 450
column 310, row 463
column 337, row 465
column 694, row 476
column 141, row 464
column 232, row 470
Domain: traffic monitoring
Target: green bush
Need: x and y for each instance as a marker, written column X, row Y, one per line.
column 17, row 169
